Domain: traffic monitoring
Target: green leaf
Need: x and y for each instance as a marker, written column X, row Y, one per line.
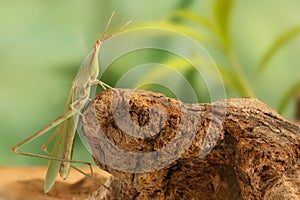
column 185, row 4
column 290, row 94
column 276, row 46
column 177, row 63
column 222, row 11
column 176, row 27
column 233, row 81
column 194, row 17
column 230, row 79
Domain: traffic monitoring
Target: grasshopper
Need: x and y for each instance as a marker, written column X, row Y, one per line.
column 60, row 158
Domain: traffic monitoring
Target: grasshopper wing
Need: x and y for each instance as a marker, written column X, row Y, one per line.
column 57, row 152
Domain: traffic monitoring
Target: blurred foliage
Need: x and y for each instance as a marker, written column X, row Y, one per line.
column 254, row 44
column 217, row 32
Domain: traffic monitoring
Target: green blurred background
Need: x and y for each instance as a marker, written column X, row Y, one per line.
column 42, row 43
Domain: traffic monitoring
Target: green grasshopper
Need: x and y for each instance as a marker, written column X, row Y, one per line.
column 60, row 158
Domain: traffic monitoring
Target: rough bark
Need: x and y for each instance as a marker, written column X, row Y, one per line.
column 233, row 149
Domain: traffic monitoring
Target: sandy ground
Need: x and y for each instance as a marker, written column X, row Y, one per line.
column 23, row 183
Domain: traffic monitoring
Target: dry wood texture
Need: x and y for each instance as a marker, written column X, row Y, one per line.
column 235, row 149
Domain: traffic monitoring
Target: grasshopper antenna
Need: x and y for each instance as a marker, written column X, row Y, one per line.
column 117, row 31
column 106, row 26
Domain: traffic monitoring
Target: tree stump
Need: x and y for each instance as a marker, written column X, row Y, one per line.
column 160, row 148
